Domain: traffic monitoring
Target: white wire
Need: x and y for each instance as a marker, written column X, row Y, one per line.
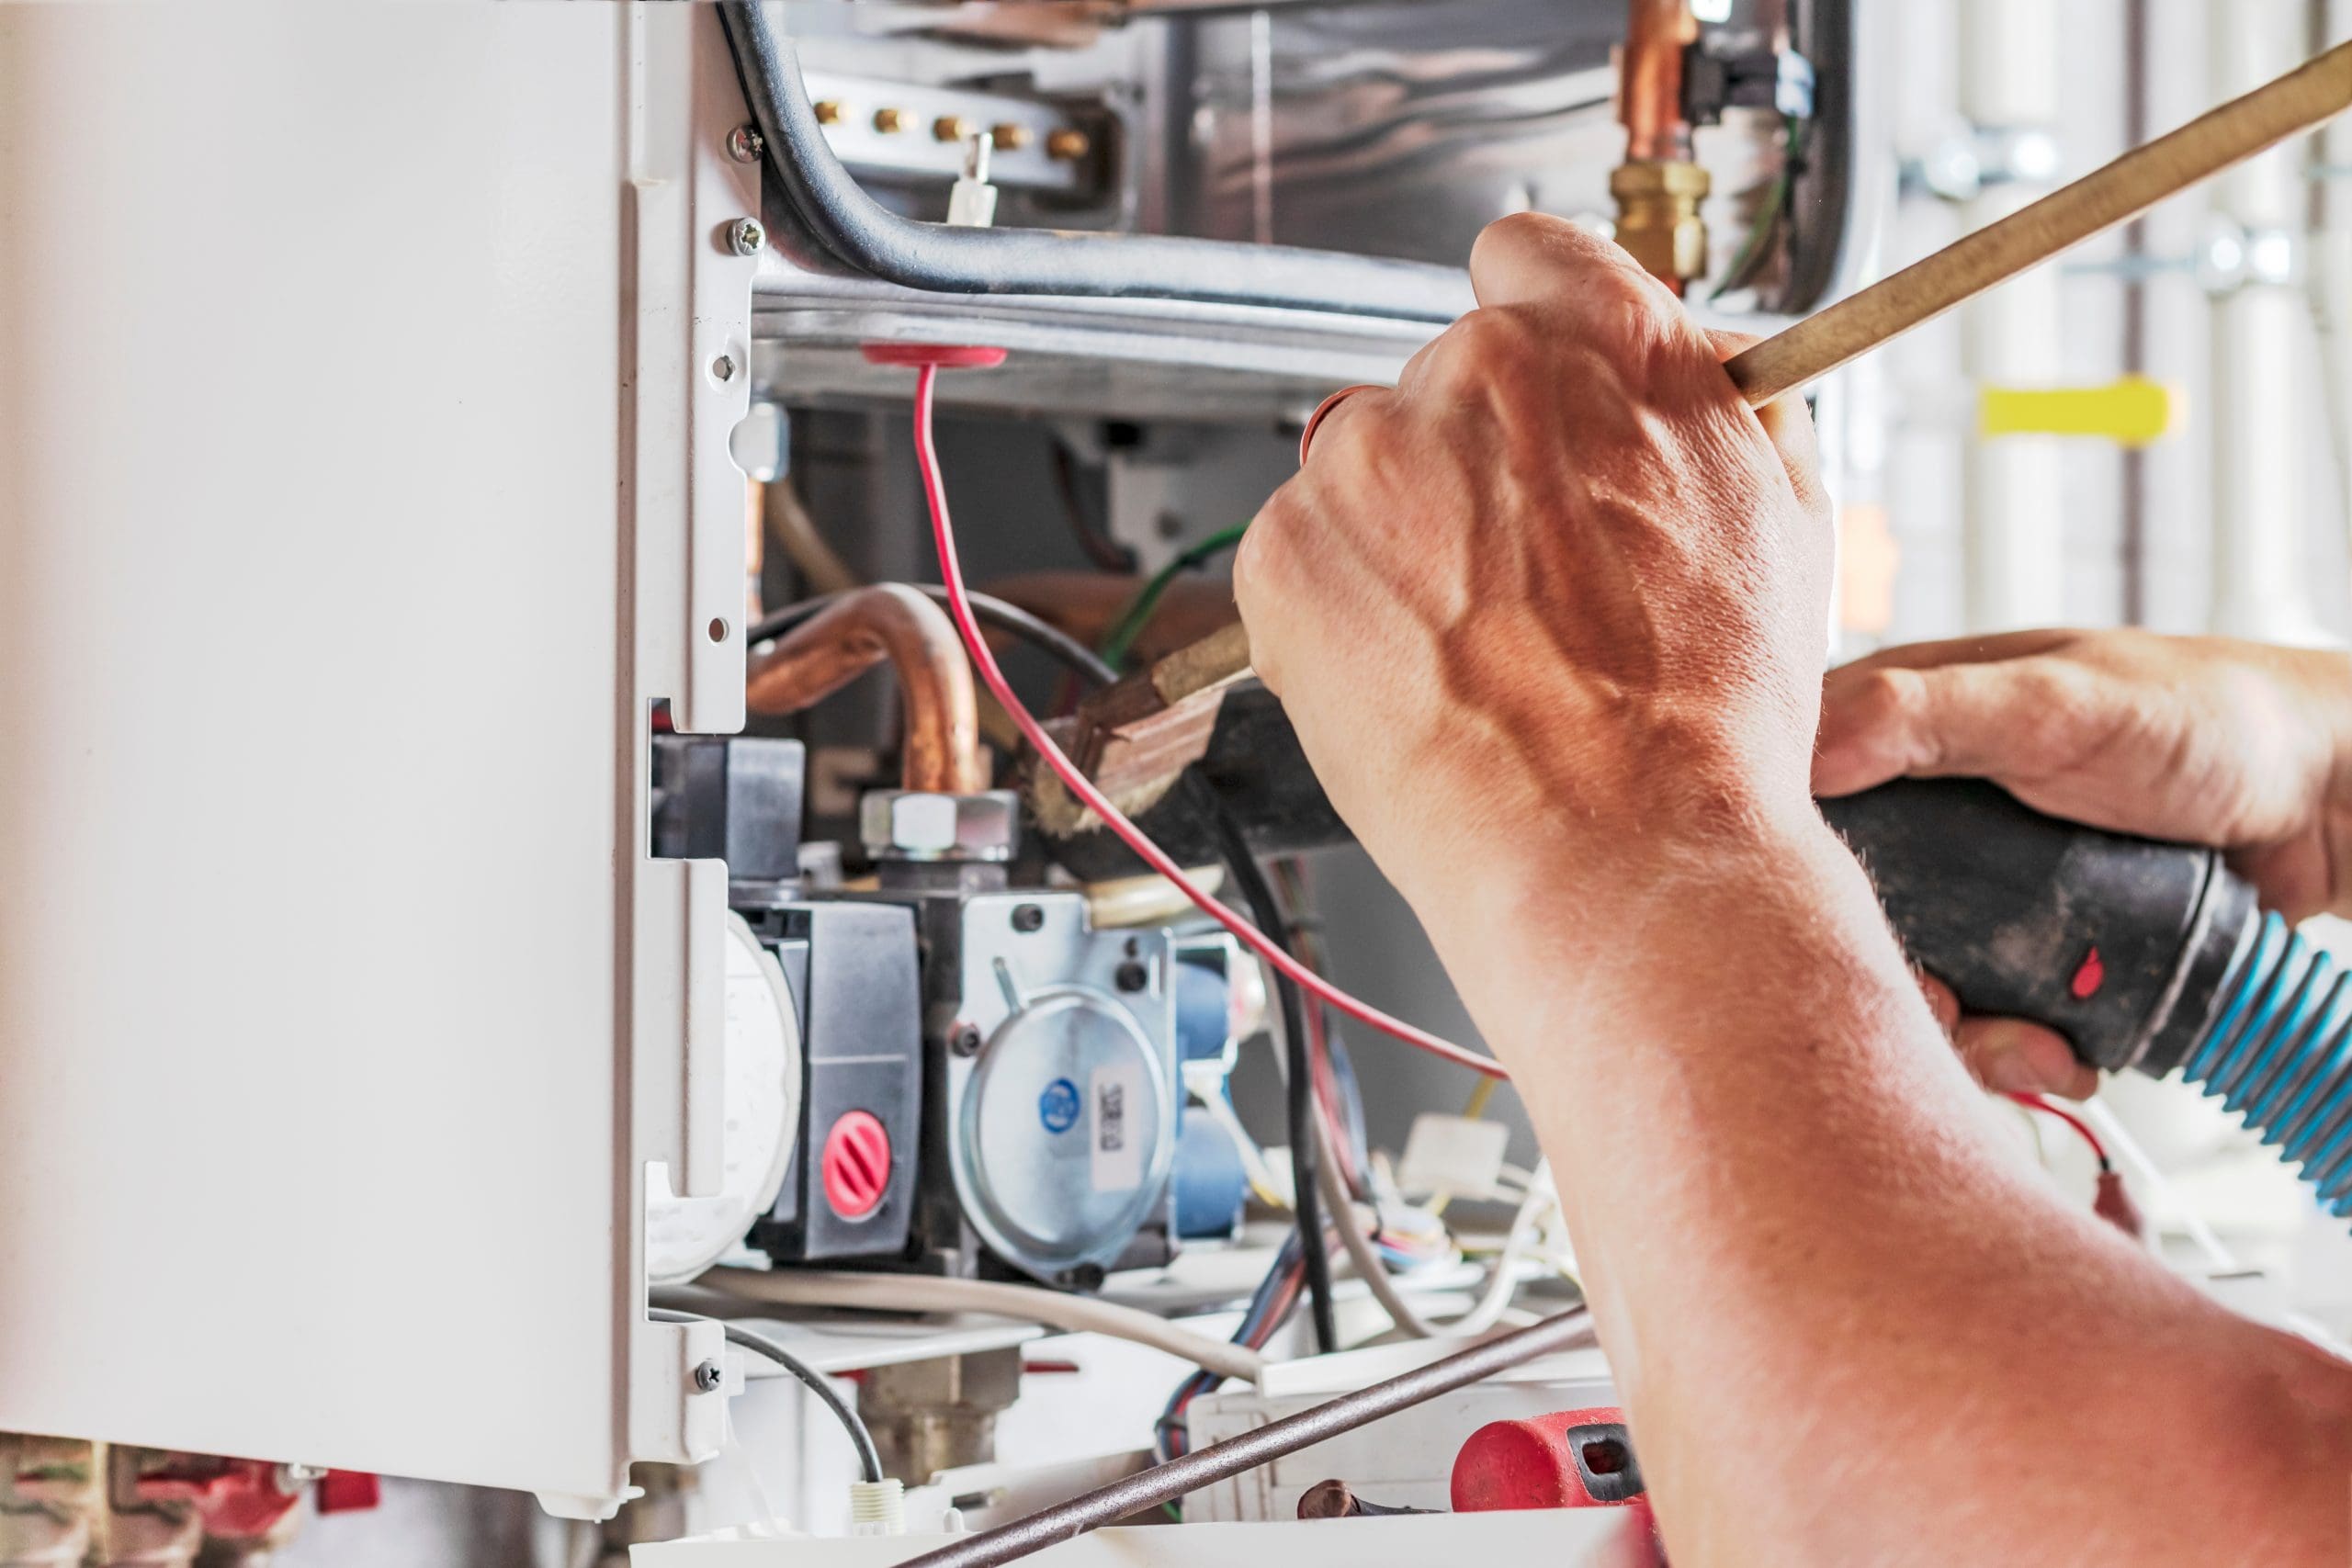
column 1505, row 1282
column 1209, row 1095
column 1368, row 1266
column 1033, row 1303
column 2127, row 1147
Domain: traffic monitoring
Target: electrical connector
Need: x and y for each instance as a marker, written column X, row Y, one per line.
column 972, row 203
column 877, row 1508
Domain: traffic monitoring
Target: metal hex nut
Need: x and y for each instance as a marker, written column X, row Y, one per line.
column 910, row 825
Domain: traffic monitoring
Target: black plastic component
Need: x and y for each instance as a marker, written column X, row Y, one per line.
column 1756, row 76
column 861, row 232
column 2121, row 944
column 1605, row 1462
column 1253, row 770
column 735, row 799
column 851, row 967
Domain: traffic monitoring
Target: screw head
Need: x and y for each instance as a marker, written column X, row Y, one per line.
column 1010, row 136
column 745, row 144
column 708, row 1376
column 828, row 111
column 1132, row 976
column 965, row 1042
column 1028, row 918
column 745, row 236
column 1069, row 145
column 889, row 121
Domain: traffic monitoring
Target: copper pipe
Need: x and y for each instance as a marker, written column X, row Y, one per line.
column 1649, row 96
column 859, row 631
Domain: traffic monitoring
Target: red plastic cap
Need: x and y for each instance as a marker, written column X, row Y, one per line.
column 1570, row 1458
column 946, row 355
column 349, row 1490
column 855, row 1165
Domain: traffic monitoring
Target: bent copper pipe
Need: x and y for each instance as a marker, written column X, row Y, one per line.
column 1650, row 86
column 859, row 631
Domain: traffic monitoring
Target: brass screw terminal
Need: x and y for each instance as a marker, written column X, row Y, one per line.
column 828, row 111
column 1069, row 145
column 1010, row 136
column 889, row 122
column 950, row 128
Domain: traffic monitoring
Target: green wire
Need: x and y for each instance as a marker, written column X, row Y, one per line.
column 1768, row 217
column 1138, row 614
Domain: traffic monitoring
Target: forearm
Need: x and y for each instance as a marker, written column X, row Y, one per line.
column 1803, row 1225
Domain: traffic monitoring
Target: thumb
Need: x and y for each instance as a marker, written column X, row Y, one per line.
column 1994, row 721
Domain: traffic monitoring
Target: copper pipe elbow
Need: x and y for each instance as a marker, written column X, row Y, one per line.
column 857, row 632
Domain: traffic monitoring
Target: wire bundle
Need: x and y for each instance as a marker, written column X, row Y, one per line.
column 1270, row 1307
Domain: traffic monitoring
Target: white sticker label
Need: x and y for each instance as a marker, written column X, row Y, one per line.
column 1116, row 1112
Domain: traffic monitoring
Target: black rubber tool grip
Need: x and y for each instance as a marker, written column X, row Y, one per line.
column 2122, row 944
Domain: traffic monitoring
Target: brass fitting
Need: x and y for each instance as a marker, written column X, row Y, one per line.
column 1658, row 218
column 1069, row 145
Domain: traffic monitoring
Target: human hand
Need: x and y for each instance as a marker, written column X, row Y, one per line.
column 2201, row 739
column 1561, row 577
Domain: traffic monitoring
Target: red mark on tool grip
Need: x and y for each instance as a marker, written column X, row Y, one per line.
column 2089, row 976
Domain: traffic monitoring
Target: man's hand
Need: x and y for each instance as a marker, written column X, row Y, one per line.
column 1560, row 576
column 2200, row 739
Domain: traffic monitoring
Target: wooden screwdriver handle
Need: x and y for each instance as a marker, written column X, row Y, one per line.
column 1169, row 710
column 2139, row 179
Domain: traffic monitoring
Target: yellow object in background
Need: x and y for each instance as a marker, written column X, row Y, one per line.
column 2132, row 411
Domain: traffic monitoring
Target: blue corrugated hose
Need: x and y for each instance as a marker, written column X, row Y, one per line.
column 2279, row 1053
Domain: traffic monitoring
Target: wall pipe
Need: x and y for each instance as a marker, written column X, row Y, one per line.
column 2260, row 430
column 859, row 630
column 2013, row 521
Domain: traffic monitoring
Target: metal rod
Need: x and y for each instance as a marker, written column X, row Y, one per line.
column 1166, row 1482
column 2305, row 96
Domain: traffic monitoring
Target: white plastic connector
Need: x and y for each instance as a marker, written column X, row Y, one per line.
column 1452, row 1154
column 877, row 1508
column 972, row 203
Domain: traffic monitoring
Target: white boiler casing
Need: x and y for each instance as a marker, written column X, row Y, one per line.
column 365, row 377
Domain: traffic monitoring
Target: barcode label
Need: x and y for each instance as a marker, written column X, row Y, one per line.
column 1115, row 1102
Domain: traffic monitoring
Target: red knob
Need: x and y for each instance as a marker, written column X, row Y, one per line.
column 855, row 1165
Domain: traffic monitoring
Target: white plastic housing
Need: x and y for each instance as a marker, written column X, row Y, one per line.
column 363, row 482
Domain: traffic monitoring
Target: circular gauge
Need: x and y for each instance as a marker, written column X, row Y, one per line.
column 1064, row 1132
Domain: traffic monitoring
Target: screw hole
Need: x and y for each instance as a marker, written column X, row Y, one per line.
column 1605, row 1456
column 718, row 628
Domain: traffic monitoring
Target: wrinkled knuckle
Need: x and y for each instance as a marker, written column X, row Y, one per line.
column 1260, row 562
column 1885, row 699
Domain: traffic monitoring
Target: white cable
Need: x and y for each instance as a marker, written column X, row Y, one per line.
column 1505, row 1283
column 1032, row 1303
column 1368, row 1266
column 1210, row 1095
column 2110, row 1127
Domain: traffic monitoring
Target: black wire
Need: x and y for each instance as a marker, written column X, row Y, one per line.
column 1106, row 553
column 869, row 1457
column 1299, row 1093
column 992, row 611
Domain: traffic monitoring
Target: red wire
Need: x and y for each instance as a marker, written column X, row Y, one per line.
column 951, row 573
column 2081, row 1128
